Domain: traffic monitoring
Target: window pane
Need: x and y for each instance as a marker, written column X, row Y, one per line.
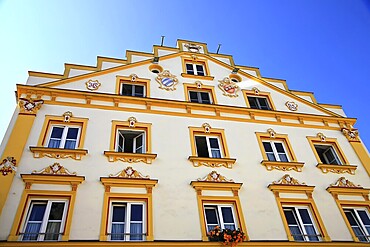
column 70, row 144
column 306, row 219
column 54, row 143
column 136, row 231
column 211, row 216
column 189, row 69
column 267, row 146
column 200, row 69
column 279, row 147
column 227, row 214
column 37, row 213
column 57, row 132
column 136, row 212
column 202, row 149
column 31, row 231
column 364, row 217
column 118, row 232
column 193, row 97
column 263, row 103
column 271, row 157
column 283, row 158
column 205, row 98
column 139, row 148
column 252, row 102
column 290, row 217
column 351, row 218
column 56, row 211
column 127, row 89
column 72, row 133
column 139, row 91
column 52, row 231
column 119, row 213
column 213, row 142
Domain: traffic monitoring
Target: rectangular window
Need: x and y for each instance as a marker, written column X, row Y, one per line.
column 275, row 151
column 208, row 146
column 200, row 97
column 45, row 220
column 220, row 215
column 195, row 69
column 359, row 219
column 127, row 221
column 300, row 223
column 64, row 136
column 129, row 141
column 327, row 154
column 132, row 90
column 259, row 103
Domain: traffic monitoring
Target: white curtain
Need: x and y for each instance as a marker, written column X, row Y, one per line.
column 31, row 232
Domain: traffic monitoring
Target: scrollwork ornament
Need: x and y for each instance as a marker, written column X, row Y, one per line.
column 321, row 136
column 292, row 105
column 92, row 85
column 67, row 116
column 351, row 134
column 206, row 127
column 215, row 177
column 228, row 87
column 129, row 172
column 288, row 180
column 30, row 106
column 132, row 121
column 167, row 81
column 193, row 47
column 343, row 182
column 55, row 169
column 8, row 165
column 272, row 133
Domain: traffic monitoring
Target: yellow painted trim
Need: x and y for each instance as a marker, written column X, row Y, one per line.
column 328, row 141
column 309, row 94
column 282, row 166
column 255, row 69
column 266, row 95
column 362, row 154
column 180, row 43
column 282, row 81
column 146, row 127
column 127, row 182
column 58, row 153
column 147, row 158
column 45, row 75
column 199, row 60
column 193, row 87
column 236, row 77
column 156, row 49
column 229, row 57
column 308, row 190
column 14, row 148
column 330, row 106
column 261, row 136
column 127, row 80
column 155, row 67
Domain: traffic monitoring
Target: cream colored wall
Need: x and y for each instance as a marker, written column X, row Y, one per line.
column 174, row 200
column 34, row 80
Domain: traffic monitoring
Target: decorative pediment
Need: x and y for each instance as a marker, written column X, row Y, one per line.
column 8, row 165
column 215, row 177
column 55, row 169
column 288, row 180
column 193, row 47
column 129, row 172
column 343, row 182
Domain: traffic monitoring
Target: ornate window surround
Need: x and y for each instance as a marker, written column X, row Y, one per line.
column 222, row 184
column 134, row 80
column 122, row 179
column 271, row 135
column 325, row 168
column 199, row 87
column 344, row 187
column 206, row 130
column 41, row 150
column 257, row 93
column 287, row 184
column 194, row 59
column 46, row 176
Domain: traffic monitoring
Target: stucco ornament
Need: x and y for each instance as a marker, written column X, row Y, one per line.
column 55, row 169
column 343, row 182
column 228, row 87
column 256, row 91
column 92, row 85
column 321, row 136
column 206, row 127
column 29, row 105
column 291, row 105
column 215, row 177
column 193, row 47
column 8, row 165
column 67, row 116
column 272, row 133
column 167, row 81
column 131, row 122
column 199, row 84
column 288, row 180
column 129, row 172
column 133, row 77
column 351, row 134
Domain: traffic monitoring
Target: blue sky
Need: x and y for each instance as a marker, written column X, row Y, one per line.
column 320, row 46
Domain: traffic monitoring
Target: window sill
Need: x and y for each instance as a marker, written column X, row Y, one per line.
column 58, row 153
column 212, row 162
column 325, row 168
column 130, row 157
column 201, row 77
column 282, row 166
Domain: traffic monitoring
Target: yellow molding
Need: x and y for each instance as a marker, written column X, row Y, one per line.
column 309, row 94
column 330, row 106
column 225, row 186
column 325, row 168
column 130, row 53
column 138, row 81
column 52, row 179
column 180, row 43
column 58, row 153
column 266, row 95
column 128, row 182
column 230, row 57
column 45, row 75
column 146, row 158
column 282, row 81
column 194, row 87
column 257, row 70
column 362, row 154
column 212, row 162
column 282, row 166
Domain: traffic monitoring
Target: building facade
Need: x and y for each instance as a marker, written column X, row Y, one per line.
column 160, row 148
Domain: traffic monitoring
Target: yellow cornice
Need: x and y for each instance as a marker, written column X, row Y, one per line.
column 45, row 75
column 130, row 53
column 330, row 106
column 216, row 185
column 282, row 81
column 309, row 94
column 257, row 70
column 52, row 179
column 128, row 182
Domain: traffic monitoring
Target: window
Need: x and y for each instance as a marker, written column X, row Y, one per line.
column 195, row 69
column 275, row 151
column 208, row 146
column 359, row 220
column 300, row 223
column 327, row 154
column 45, row 220
column 258, row 103
column 130, row 141
column 220, row 215
column 200, row 97
column 127, row 221
column 132, row 90
column 64, row 136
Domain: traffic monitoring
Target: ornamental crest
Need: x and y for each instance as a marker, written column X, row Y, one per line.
column 343, row 182
column 321, row 136
column 55, row 169
column 29, row 105
column 67, row 116
column 131, row 122
column 92, row 85
column 8, row 165
column 291, row 105
column 129, row 172
column 228, row 87
column 351, row 134
column 193, row 47
column 288, row 180
column 215, row 177
column 272, row 133
column 133, row 77
column 167, row 81
column 206, row 127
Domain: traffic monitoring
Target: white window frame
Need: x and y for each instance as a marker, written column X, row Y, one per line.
column 274, row 150
column 301, row 225
column 331, row 148
column 133, row 89
column 199, row 98
column 135, row 148
column 209, row 145
column 360, row 223
column 219, row 215
column 195, row 70
column 41, row 234
column 64, row 134
column 258, row 103
column 127, row 223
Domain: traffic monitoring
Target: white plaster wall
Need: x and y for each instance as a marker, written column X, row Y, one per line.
column 165, row 52
column 76, row 72
column 223, row 59
column 107, row 65
column 137, row 58
column 34, row 80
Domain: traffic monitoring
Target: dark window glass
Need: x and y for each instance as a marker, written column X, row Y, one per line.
column 193, row 97
column 227, row 215
column 72, row 133
column 201, row 143
column 127, row 89
column 205, row 98
column 57, row 132
column 37, row 213
column 258, row 103
column 211, row 216
column 139, row 91
column 136, row 212
column 56, row 211
column 119, row 213
column 189, row 69
column 200, row 69
column 306, row 219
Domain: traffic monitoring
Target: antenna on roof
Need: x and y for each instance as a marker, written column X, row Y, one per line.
column 162, row 40
column 218, row 48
